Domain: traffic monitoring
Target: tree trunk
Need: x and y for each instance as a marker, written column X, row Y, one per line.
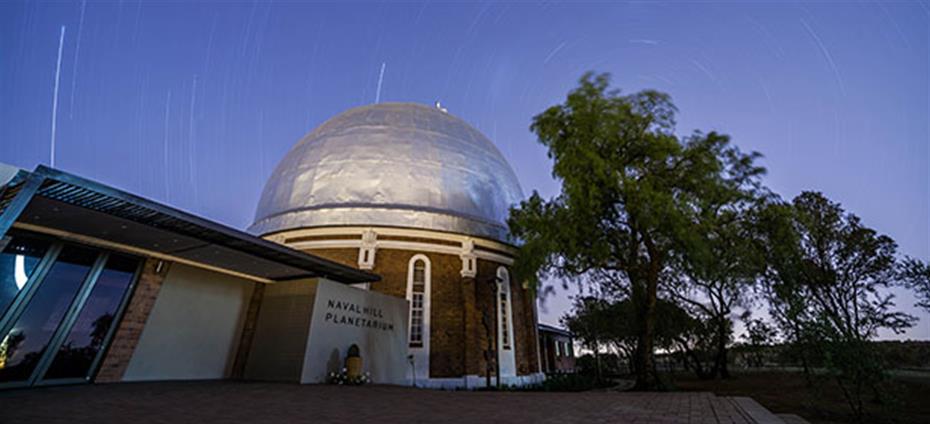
column 646, row 378
column 721, row 358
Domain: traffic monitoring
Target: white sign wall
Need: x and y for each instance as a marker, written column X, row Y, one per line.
column 343, row 316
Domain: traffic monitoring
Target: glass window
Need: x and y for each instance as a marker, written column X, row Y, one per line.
column 18, row 260
column 417, row 294
column 25, row 342
column 86, row 338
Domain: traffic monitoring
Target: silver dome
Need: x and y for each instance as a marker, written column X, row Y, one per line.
column 391, row 164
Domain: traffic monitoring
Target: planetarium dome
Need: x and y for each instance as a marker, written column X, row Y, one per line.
column 391, row 164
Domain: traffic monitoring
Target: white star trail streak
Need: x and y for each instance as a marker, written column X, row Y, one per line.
column 191, row 147
column 380, row 79
column 165, row 144
column 77, row 55
column 61, row 43
column 827, row 56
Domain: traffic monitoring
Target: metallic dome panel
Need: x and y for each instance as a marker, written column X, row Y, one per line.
column 391, row 164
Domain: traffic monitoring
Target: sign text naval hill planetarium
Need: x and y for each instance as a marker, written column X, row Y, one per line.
column 347, row 313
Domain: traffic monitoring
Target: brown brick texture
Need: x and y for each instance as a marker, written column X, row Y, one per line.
column 457, row 336
column 130, row 327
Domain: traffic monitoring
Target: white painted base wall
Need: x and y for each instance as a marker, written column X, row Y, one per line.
column 192, row 332
column 477, row 382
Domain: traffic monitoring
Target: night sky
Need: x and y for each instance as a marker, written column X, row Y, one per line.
column 194, row 104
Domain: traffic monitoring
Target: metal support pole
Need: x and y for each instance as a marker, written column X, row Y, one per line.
column 30, row 187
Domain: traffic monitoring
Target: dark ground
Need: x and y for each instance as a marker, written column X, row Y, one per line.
column 786, row 392
column 222, row 402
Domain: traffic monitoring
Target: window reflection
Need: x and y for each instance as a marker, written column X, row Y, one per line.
column 84, row 342
column 18, row 260
column 23, row 345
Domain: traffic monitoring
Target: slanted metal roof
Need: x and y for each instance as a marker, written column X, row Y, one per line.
column 76, row 205
column 550, row 329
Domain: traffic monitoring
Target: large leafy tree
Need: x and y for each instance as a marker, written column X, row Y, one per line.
column 631, row 196
column 827, row 281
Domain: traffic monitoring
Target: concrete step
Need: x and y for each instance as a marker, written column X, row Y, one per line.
column 754, row 411
column 792, row 419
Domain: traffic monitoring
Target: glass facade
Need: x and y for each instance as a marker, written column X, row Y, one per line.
column 60, row 311
column 93, row 324
column 19, row 258
column 23, row 344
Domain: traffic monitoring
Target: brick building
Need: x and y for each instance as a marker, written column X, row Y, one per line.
column 419, row 197
column 383, row 230
column 557, row 349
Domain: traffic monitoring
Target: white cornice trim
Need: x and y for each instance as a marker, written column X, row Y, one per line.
column 400, row 245
column 393, row 231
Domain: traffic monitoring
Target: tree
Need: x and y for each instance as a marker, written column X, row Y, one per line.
column 598, row 323
column 758, row 337
column 686, row 335
column 630, row 194
column 916, row 276
column 718, row 274
column 594, row 324
column 827, row 282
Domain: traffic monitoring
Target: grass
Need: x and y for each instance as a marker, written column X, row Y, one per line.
column 787, row 392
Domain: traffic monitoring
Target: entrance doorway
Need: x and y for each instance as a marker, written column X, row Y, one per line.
column 59, row 304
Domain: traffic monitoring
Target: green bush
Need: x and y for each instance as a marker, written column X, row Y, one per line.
column 568, row 383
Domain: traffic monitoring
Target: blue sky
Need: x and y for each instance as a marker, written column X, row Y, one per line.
column 834, row 94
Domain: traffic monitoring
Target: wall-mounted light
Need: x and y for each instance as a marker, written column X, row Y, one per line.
column 19, row 273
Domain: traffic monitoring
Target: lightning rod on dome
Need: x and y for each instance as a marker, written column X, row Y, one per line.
column 441, row 109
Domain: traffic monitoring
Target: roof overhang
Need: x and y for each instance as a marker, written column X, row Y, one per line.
column 556, row 330
column 51, row 201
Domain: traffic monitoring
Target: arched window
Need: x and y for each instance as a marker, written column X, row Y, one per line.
column 418, row 282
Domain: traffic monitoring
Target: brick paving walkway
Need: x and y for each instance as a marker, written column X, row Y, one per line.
column 221, row 402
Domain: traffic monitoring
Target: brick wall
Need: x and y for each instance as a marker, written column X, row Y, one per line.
column 130, row 327
column 524, row 314
column 457, row 336
column 248, row 332
column 557, row 362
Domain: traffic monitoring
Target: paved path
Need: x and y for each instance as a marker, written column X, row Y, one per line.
column 221, row 402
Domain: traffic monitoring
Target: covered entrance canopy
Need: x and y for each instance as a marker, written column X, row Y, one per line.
column 50, row 201
column 72, row 252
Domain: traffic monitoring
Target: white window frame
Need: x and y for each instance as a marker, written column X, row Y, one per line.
column 507, row 353
column 419, row 354
column 426, row 299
